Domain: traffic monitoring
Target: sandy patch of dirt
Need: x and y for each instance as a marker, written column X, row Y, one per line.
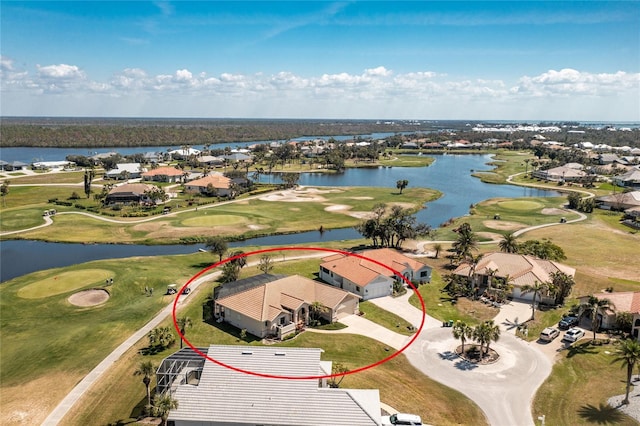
column 336, row 208
column 362, row 198
column 503, row 225
column 87, row 298
column 294, row 209
column 552, row 211
column 489, row 235
column 30, row 403
column 257, row 227
column 361, row 215
column 293, row 198
column 301, row 195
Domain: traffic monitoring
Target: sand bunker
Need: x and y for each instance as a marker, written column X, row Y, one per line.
column 550, row 211
column 502, row 225
column 91, row 297
column 300, row 195
column 337, row 208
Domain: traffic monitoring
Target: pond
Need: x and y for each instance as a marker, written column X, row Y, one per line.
column 450, row 174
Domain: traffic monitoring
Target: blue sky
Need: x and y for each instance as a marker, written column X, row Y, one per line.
column 374, row 59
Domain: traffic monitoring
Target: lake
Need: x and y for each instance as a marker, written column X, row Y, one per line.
column 450, row 174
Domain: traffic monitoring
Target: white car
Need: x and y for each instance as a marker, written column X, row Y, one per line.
column 401, row 419
column 548, row 334
column 573, row 335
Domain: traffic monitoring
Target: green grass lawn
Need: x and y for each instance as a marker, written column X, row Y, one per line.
column 23, row 218
column 507, row 163
column 514, row 214
column 577, row 390
column 53, row 343
column 386, row 319
column 61, row 177
column 407, row 161
column 247, row 218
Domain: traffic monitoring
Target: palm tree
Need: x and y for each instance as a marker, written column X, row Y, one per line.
column 438, row 248
column 592, row 308
column 536, row 289
column 162, row 405
column 629, row 355
column 508, row 244
column 486, row 333
column 492, row 333
column 465, row 242
column 402, row 184
column 462, row 331
column 146, row 370
column 183, row 324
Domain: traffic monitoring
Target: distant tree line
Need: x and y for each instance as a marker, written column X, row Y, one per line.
column 132, row 133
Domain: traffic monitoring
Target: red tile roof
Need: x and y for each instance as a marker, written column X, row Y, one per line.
column 362, row 271
column 164, row 171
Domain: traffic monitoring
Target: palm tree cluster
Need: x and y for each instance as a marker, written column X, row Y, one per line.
column 484, row 333
column 544, row 249
column 391, row 227
column 161, row 338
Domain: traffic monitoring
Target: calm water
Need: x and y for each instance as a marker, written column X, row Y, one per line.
column 451, row 174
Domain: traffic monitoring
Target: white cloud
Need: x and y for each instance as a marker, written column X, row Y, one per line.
column 376, row 92
column 61, row 71
column 569, row 82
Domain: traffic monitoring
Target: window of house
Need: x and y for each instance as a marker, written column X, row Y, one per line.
column 358, row 289
column 424, row 273
column 281, row 320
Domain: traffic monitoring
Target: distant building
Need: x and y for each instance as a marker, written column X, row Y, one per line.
column 125, row 171
column 164, row 174
column 129, row 193
column 213, row 184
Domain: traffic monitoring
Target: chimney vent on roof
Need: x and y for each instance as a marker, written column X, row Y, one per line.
column 247, row 353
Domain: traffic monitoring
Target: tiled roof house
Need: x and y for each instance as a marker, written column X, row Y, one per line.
column 367, row 273
column 521, row 269
column 163, row 174
column 267, row 305
column 621, row 301
column 220, row 183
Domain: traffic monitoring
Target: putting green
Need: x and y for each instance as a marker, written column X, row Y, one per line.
column 520, row 205
column 214, row 220
column 64, row 282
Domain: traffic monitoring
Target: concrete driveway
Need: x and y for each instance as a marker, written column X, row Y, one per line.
column 503, row 390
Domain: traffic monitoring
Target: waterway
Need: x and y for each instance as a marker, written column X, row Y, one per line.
column 450, row 174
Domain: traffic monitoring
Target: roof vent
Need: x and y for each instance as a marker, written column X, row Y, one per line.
column 247, row 353
column 280, row 353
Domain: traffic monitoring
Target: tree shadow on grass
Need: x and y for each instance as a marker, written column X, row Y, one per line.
column 581, row 349
column 202, row 265
column 604, row 414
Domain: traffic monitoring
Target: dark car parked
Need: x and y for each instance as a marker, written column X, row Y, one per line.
column 567, row 322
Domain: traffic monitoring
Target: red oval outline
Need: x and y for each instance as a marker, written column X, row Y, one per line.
column 272, row 376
